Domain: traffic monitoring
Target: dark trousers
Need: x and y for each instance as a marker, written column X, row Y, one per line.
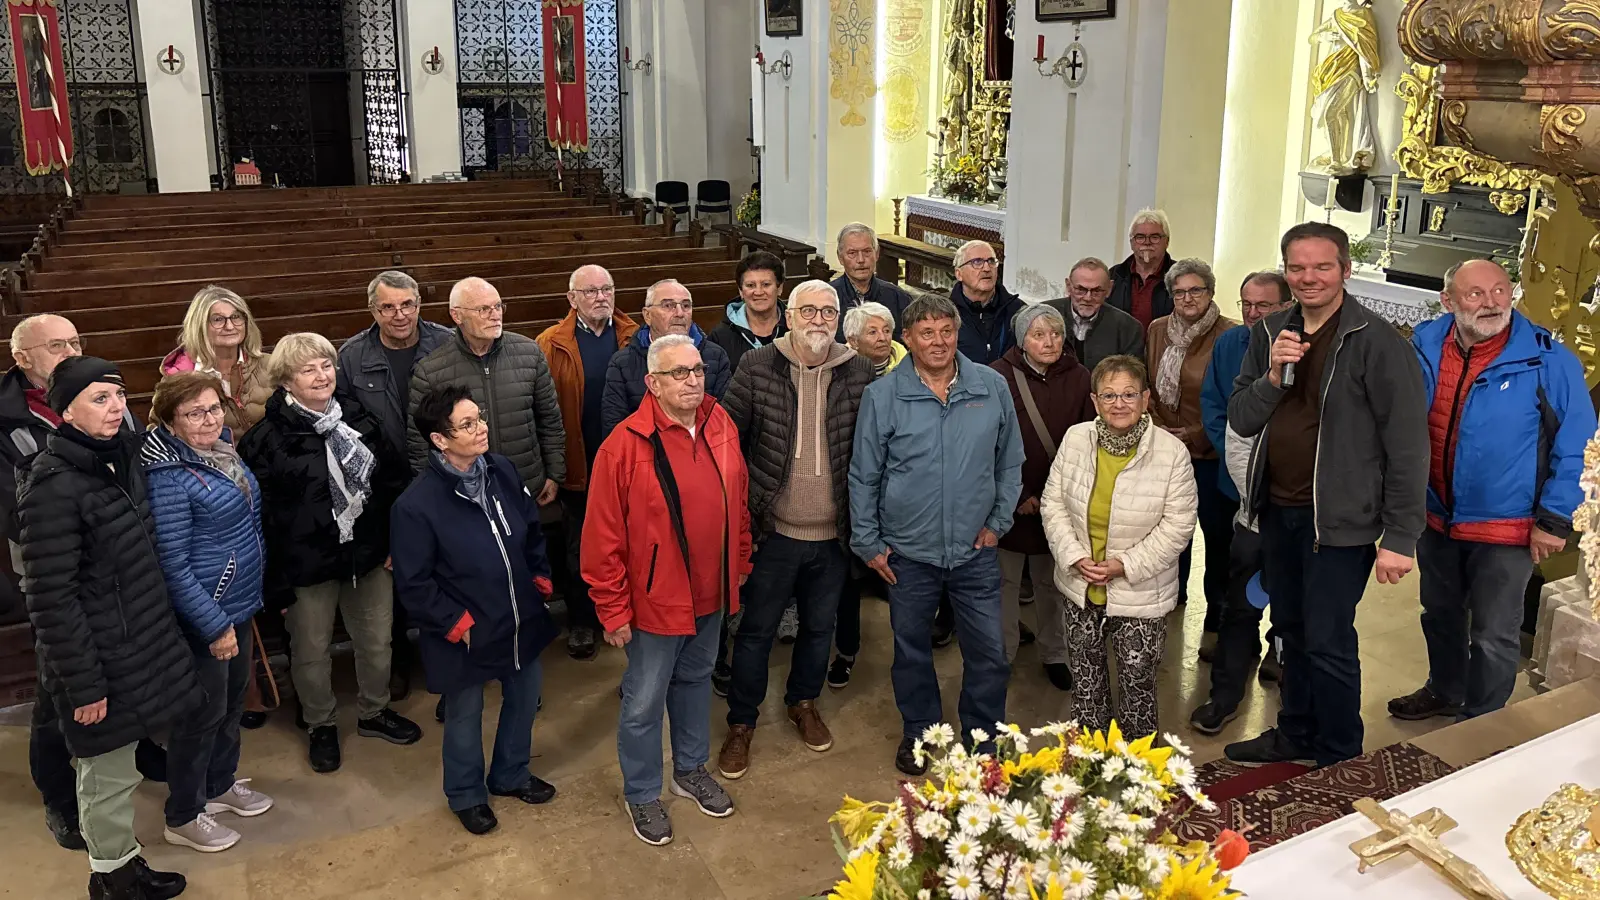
column 1471, row 618
column 974, row 592
column 847, row 627
column 464, row 782
column 1314, row 591
column 812, row 572
column 203, row 751
column 1215, row 516
column 580, row 606
column 50, row 762
column 1239, row 634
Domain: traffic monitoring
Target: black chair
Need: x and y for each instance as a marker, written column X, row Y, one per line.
column 713, row 197
column 673, row 195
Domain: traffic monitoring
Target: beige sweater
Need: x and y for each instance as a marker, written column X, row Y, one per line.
column 803, row 509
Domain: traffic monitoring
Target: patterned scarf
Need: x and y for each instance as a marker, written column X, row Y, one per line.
column 350, row 465
column 1179, row 337
column 1120, row 444
column 224, row 458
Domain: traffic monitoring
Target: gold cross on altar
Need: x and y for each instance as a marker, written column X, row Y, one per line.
column 1400, row 833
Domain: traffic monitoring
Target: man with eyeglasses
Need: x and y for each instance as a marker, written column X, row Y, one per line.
column 376, row 364
column 795, row 405
column 755, row 319
column 668, row 309
column 579, row 349
column 1096, row 329
column 986, row 307
column 1138, row 283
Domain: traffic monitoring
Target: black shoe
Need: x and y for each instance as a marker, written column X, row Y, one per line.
column 1271, row 671
column 1420, row 704
column 157, row 885
column 252, row 719
column 123, row 884
column 64, row 828
column 943, row 633
column 1059, row 675
column 324, row 752
column 150, row 758
column 721, row 677
column 536, row 791
column 391, row 726
column 438, row 711
column 1210, row 718
column 478, row 819
column 399, row 685
column 839, row 672
column 580, row 643
column 1269, row 746
column 905, row 758
column 1026, row 635
column 1208, row 646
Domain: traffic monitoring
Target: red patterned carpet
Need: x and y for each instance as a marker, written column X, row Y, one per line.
column 1270, row 804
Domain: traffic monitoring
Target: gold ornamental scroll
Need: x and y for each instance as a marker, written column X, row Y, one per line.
column 852, row 50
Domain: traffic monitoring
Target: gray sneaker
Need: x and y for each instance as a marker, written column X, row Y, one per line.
column 650, row 823
column 203, row 834
column 240, row 800
column 700, row 787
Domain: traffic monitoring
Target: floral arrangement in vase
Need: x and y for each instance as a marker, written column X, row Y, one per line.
column 1084, row 816
column 748, row 213
column 962, row 177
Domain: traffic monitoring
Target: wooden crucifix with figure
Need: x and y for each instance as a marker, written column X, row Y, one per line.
column 1400, row 834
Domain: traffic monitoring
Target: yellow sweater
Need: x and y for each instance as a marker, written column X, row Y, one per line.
column 1107, row 467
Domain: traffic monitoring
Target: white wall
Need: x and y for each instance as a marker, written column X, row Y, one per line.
column 794, row 165
column 433, row 123
column 180, row 156
column 1080, row 165
column 666, row 111
column 730, row 42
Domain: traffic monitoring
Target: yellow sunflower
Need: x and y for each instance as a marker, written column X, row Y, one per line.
column 860, row 878
column 1196, row 879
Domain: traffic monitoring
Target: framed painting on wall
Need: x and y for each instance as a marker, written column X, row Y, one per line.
column 783, row 17
column 1067, row 10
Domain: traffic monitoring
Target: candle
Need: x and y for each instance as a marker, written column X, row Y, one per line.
column 627, row 54
column 1039, row 57
column 1394, row 192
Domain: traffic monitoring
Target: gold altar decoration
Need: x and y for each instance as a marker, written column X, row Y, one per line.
column 852, row 40
column 1555, row 846
column 1343, row 85
column 977, row 111
column 1400, row 834
column 1440, row 166
column 906, row 33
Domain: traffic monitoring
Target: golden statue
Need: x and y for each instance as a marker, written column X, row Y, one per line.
column 1343, row 84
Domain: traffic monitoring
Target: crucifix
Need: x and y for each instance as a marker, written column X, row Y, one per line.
column 170, row 60
column 1400, row 834
column 1074, row 63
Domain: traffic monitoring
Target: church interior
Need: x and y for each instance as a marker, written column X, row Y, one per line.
column 291, row 149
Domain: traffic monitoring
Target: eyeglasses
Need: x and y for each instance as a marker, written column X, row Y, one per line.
column 682, row 373
column 595, row 293
column 493, row 309
column 1090, row 292
column 812, row 313
column 1198, row 293
column 389, row 310
column 673, row 306
column 987, row 262
column 1148, row 238
column 472, row 424
column 60, row 346
column 196, row 416
column 236, row 320
column 1127, row 399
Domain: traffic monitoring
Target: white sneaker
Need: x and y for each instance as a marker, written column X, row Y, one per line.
column 240, row 800
column 203, row 834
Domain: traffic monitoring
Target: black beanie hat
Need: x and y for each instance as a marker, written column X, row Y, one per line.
column 73, row 375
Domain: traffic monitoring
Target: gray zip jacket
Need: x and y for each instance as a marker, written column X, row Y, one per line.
column 1371, row 473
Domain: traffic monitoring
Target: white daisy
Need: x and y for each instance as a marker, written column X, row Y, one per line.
column 1060, row 787
column 933, row 826
column 1040, row 839
column 941, row 800
column 939, row 734
column 1072, row 827
column 1048, row 864
column 974, row 819
column 994, row 805
column 899, row 856
column 1178, row 746
column 963, row 884
column 1181, row 770
column 963, row 850
column 967, row 796
column 1113, row 768
column 918, row 754
column 1121, row 844
column 979, row 736
column 1079, row 751
column 924, row 894
column 994, row 871
column 1018, row 820
column 1014, row 735
column 1017, row 889
column 1078, row 879
column 1125, row 892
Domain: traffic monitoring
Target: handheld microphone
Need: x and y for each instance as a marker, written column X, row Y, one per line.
column 1296, row 324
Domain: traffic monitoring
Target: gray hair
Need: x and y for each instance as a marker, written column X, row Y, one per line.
column 1149, row 216
column 572, row 280
column 1029, row 315
column 1088, row 262
column 662, row 344
column 855, row 228
column 19, row 334
column 393, row 278
column 650, row 292
column 1286, row 296
column 294, row 351
column 465, row 286
column 968, row 247
column 814, row 286
column 929, row 306
column 855, row 321
column 1192, row 267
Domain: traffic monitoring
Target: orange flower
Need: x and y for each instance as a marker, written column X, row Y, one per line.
column 1230, row 849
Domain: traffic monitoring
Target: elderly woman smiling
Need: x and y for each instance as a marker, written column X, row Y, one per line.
column 869, row 330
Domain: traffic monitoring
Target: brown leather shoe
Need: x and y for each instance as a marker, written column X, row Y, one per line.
column 734, row 760
column 812, row 729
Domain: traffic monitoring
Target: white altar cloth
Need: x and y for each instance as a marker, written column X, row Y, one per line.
column 976, row 215
column 1485, row 799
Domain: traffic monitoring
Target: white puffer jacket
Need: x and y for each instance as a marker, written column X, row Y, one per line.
column 1153, row 508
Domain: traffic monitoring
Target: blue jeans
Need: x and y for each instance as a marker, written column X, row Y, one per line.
column 1472, row 619
column 203, row 749
column 974, row 591
column 671, row 674
column 464, row 784
column 812, row 572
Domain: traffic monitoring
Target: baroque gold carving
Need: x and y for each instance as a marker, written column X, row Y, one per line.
column 1574, row 28
column 1436, row 219
column 1558, row 135
column 1508, row 202
column 1439, row 166
column 1453, row 120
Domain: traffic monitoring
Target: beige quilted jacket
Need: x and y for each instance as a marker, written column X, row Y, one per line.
column 1152, row 520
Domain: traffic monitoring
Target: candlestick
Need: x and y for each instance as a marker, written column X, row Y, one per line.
column 1039, row 56
column 626, row 54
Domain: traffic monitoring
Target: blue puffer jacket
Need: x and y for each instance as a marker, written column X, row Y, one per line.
column 208, row 534
column 1519, row 448
column 925, row 476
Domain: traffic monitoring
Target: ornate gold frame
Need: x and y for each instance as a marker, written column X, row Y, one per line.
column 988, row 114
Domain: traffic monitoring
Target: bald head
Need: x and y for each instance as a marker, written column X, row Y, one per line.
column 473, row 291
column 593, row 295
column 39, row 343
column 476, row 308
column 1478, row 292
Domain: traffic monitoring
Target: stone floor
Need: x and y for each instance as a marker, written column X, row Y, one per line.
column 379, row 828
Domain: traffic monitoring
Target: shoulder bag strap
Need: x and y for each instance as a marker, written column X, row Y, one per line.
column 1032, row 409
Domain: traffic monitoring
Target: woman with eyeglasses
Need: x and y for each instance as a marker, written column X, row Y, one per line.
column 1118, row 509
column 1177, row 352
column 220, row 337
column 207, row 509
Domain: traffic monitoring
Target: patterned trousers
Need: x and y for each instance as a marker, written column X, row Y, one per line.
column 1138, row 644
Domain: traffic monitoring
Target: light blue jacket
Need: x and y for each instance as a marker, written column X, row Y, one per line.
column 925, row 476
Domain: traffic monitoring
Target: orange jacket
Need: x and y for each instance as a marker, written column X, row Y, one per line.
column 560, row 345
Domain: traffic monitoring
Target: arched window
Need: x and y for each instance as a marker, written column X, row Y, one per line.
column 113, row 137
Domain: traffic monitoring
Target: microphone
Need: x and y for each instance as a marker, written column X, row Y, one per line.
column 1297, row 324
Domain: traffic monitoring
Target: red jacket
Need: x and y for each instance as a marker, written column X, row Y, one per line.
column 634, row 553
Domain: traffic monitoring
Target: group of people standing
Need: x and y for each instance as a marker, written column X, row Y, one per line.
column 952, row 448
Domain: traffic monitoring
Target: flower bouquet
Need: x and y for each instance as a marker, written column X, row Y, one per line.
column 961, row 178
column 1085, row 816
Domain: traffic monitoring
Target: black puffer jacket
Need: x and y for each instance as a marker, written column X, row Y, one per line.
column 290, row 461
column 764, row 406
column 103, row 626
column 512, row 384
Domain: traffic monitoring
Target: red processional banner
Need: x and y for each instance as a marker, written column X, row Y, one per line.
column 566, row 100
column 41, row 84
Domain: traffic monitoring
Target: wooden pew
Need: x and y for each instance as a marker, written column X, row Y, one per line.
column 245, row 198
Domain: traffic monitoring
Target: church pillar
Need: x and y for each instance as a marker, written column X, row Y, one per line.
column 794, row 165
column 1192, row 101
column 179, row 151
column 1081, row 162
column 667, row 108
column 433, row 121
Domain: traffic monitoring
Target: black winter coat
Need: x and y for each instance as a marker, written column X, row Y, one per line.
column 103, row 626
column 625, row 387
column 290, row 460
column 763, row 404
column 22, row 434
